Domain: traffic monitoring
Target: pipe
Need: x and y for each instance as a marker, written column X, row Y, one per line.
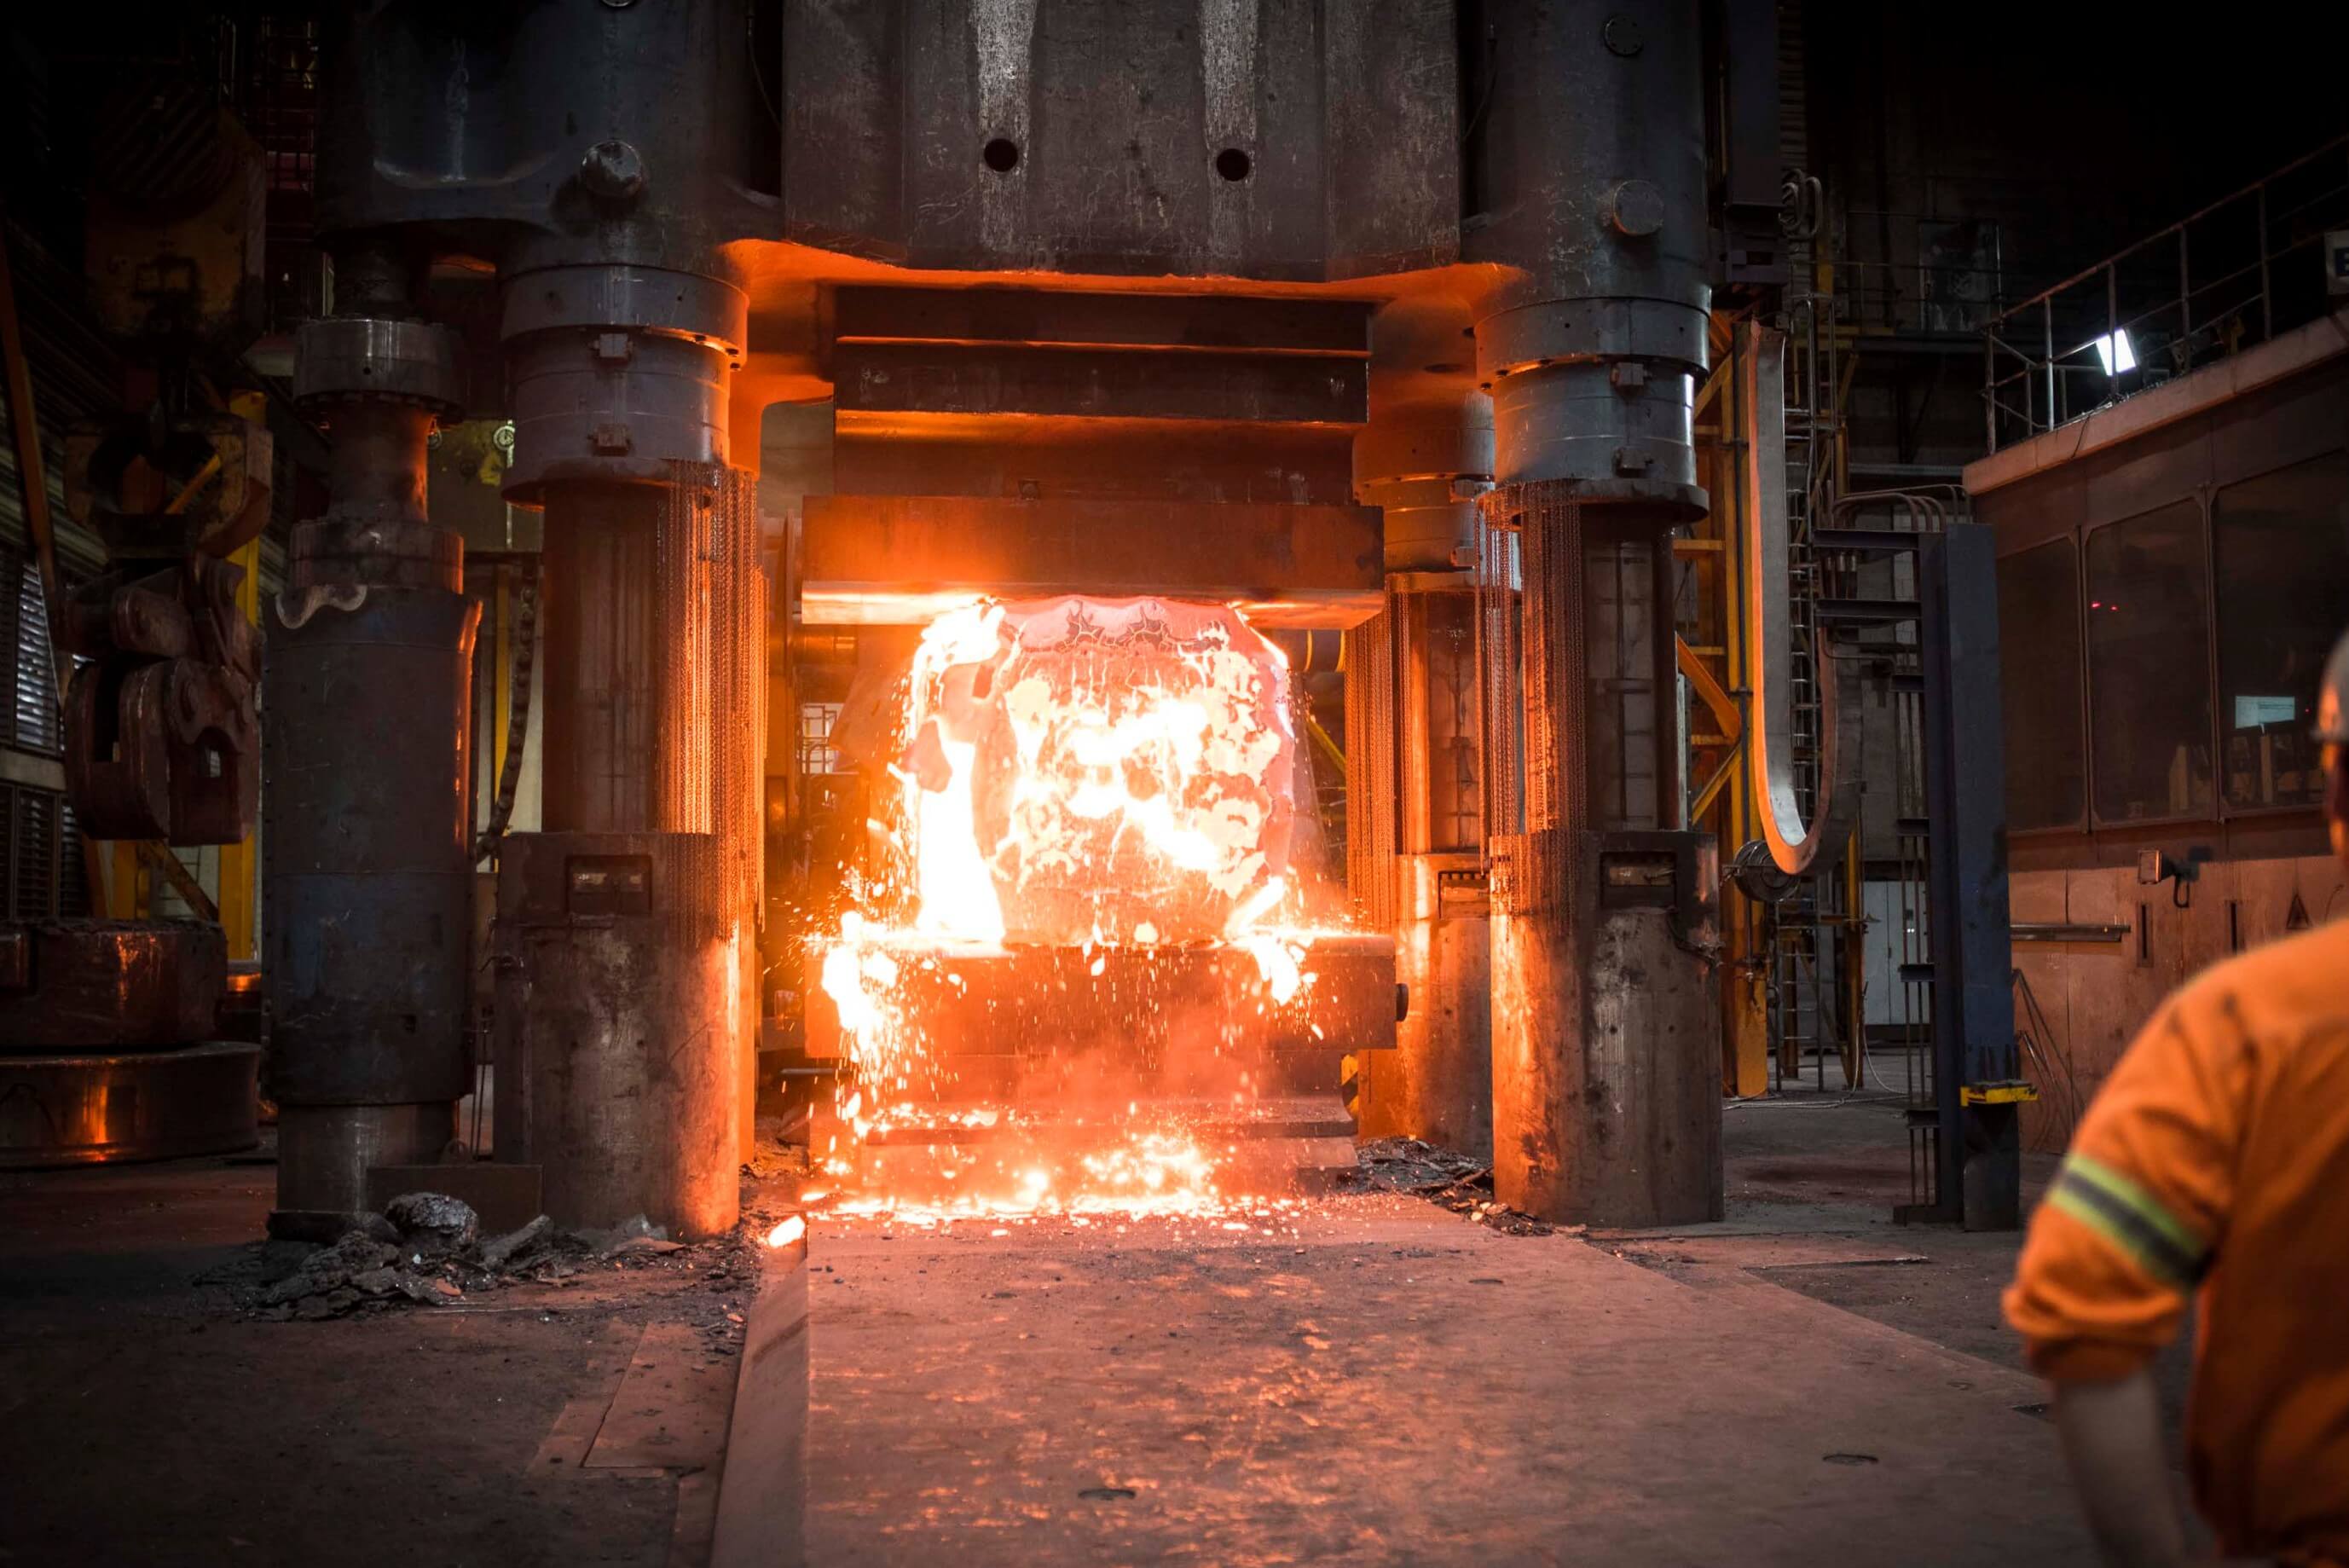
column 517, row 736
column 1795, row 845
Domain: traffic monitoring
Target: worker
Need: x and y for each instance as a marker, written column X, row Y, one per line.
column 2215, row 1158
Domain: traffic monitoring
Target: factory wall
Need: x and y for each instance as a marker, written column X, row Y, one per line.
column 2171, row 576
column 2081, row 1003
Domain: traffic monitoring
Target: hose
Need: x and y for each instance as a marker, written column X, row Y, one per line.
column 517, row 713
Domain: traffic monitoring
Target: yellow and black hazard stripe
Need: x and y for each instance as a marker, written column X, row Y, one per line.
column 1349, row 1084
column 2132, row 1219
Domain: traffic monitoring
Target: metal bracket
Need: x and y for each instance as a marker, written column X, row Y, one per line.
column 2012, row 1092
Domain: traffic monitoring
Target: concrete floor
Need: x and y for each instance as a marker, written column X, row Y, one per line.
column 1367, row 1378
column 144, row 1419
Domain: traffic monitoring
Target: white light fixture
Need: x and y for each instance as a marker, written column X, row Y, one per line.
column 2114, row 352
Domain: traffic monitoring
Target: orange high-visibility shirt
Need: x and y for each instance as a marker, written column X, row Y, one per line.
column 2218, row 1154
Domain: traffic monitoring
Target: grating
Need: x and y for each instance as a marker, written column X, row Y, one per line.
column 1370, row 660
column 1536, row 688
column 1500, row 710
column 711, row 589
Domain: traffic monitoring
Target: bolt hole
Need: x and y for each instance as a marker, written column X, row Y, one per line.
column 1232, row 164
column 1002, row 155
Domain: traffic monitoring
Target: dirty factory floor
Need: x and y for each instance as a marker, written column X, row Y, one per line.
column 1367, row 1377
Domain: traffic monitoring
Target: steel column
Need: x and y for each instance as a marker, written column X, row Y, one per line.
column 1965, row 785
column 369, row 871
column 1423, row 465
column 1605, row 1032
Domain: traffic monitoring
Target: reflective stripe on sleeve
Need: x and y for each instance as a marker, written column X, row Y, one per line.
column 2131, row 1218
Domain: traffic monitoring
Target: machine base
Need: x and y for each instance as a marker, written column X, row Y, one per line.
column 1038, row 1025
column 1278, row 1146
column 108, row 1109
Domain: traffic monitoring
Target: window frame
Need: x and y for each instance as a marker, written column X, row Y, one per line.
column 2215, row 813
column 2210, row 496
column 2082, row 822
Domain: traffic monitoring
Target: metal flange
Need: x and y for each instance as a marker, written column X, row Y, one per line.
column 617, row 372
column 347, row 358
column 706, row 311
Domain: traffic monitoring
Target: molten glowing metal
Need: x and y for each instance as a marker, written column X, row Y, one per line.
column 1078, row 771
column 1106, row 778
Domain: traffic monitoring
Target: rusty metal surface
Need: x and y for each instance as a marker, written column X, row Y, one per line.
column 1592, row 166
column 195, row 483
column 899, row 560
column 104, row 1108
column 1436, row 1085
column 1423, row 469
column 345, row 357
column 416, row 128
column 1605, row 1039
column 368, row 876
column 656, row 653
column 162, row 735
column 108, row 984
column 368, row 870
column 337, row 553
column 324, row 1152
column 602, row 634
column 1066, row 319
column 1110, row 462
column 1371, row 767
column 617, row 372
column 620, row 1005
column 1534, row 863
column 1085, row 138
column 996, row 378
column 176, row 243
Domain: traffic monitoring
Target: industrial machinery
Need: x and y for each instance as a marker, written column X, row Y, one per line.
column 861, row 357
column 108, row 1027
column 1101, row 904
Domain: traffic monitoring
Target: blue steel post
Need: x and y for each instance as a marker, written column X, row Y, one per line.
column 1965, row 784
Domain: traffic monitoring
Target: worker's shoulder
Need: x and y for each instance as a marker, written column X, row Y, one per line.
column 2284, row 987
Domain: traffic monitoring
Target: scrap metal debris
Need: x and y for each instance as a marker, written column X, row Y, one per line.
column 427, row 1247
column 500, row 1250
column 1460, row 1182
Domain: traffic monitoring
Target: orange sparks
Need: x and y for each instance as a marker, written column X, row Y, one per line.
column 1114, row 779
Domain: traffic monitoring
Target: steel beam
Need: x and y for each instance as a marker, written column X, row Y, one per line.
column 897, row 559
column 952, row 378
column 1200, row 324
